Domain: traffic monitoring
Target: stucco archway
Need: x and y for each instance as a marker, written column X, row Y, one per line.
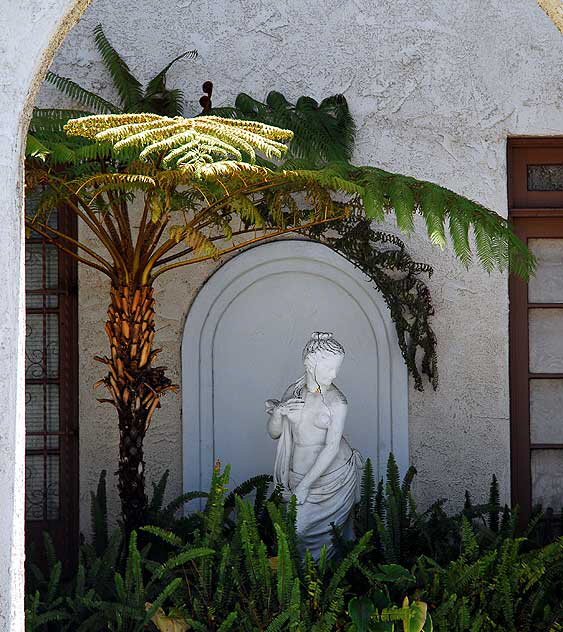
column 35, row 29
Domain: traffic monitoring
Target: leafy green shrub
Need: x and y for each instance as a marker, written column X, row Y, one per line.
column 235, row 566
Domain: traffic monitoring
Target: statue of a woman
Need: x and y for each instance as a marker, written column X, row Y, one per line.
column 313, row 459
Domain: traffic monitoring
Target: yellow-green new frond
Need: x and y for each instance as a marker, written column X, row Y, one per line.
column 135, row 133
column 91, row 126
column 167, row 144
column 151, row 134
column 217, row 138
column 267, row 131
column 225, row 168
column 192, row 151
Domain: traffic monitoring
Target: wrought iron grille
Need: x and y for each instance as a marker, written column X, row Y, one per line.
column 51, row 382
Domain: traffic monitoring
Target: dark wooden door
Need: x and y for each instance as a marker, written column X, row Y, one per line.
column 536, row 325
column 51, row 376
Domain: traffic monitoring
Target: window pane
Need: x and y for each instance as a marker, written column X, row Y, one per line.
column 42, row 346
column 546, row 411
column 547, row 477
column 42, row 415
column 32, row 200
column 546, row 340
column 545, row 177
column 42, row 487
column 546, row 286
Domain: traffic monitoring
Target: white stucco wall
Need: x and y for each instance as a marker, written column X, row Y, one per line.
column 435, row 87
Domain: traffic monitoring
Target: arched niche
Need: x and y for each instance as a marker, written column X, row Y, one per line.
column 242, row 344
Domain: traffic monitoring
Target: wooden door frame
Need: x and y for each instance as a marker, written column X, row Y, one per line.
column 531, row 214
column 66, row 537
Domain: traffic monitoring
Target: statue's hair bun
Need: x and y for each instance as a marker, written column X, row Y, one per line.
column 321, row 335
column 323, row 342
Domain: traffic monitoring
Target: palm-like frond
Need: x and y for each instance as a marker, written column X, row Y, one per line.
column 34, row 148
column 128, row 87
column 181, row 140
column 161, row 100
column 77, row 93
column 52, row 120
column 323, row 132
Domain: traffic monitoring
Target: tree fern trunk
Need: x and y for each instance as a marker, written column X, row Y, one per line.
column 135, row 387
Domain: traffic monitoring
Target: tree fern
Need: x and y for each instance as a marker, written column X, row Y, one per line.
column 402, row 196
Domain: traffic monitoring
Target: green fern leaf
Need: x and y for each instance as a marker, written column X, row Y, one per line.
column 128, row 87
column 402, row 199
column 459, row 231
column 432, row 208
column 79, row 94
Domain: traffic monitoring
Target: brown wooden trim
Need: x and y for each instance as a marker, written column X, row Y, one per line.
column 535, row 141
column 546, row 446
column 522, row 152
column 68, row 328
column 543, row 212
column 545, row 376
column 533, row 214
column 519, row 391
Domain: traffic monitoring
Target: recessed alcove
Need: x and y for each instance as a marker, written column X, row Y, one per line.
column 242, row 344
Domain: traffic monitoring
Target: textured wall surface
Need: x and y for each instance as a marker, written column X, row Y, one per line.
column 435, row 87
column 31, row 32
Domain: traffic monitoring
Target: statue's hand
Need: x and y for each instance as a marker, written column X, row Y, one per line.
column 270, row 405
column 292, row 408
column 301, row 492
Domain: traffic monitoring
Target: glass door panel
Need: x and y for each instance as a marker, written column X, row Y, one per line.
column 546, row 411
column 546, row 286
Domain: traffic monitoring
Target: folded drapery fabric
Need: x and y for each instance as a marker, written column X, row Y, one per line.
column 330, row 498
column 330, row 501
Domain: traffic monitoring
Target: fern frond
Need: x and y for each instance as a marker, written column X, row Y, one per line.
column 323, row 132
column 34, row 148
column 402, row 199
column 146, row 130
column 128, row 87
column 158, row 98
column 90, row 126
column 79, row 94
column 164, row 535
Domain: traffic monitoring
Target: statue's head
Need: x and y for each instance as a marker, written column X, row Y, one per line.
column 322, row 357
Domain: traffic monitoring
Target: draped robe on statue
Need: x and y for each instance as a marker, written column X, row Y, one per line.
column 331, row 497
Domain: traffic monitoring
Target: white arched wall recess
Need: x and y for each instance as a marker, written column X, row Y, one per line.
column 242, row 345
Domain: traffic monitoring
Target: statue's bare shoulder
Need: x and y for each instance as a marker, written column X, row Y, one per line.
column 336, row 396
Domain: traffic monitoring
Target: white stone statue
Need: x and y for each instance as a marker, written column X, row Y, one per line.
column 313, row 459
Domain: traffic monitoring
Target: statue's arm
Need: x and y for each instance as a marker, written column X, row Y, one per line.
column 275, row 423
column 330, row 450
column 275, row 409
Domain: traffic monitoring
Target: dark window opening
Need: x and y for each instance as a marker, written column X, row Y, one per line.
column 51, row 392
